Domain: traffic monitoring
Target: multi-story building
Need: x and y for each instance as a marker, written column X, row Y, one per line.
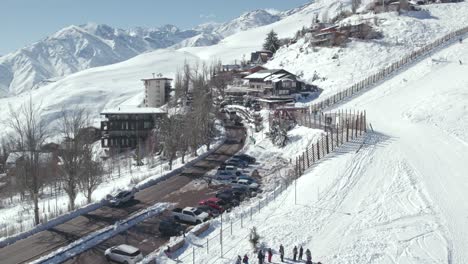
column 157, row 91
column 127, row 128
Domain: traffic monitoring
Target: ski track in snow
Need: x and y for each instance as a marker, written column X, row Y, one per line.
column 399, row 199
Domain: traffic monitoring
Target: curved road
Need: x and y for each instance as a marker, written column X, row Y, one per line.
column 176, row 189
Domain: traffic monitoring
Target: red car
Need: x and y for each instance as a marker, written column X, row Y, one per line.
column 213, row 202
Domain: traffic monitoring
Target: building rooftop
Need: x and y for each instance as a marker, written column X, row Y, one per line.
column 156, row 79
column 133, row 110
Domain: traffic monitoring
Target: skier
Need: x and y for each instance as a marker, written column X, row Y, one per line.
column 295, row 254
column 270, row 254
column 260, row 257
column 308, row 256
column 301, row 251
column 281, row 251
column 460, row 62
column 245, row 260
column 239, row 260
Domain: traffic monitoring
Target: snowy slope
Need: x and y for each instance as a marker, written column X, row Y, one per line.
column 399, row 199
column 76, row 48
column 120, row 82
column 402, row 35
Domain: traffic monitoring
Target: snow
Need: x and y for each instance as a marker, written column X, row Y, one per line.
column 67, row 252
column 133, row 110
column 401, row 198
column 19, row 214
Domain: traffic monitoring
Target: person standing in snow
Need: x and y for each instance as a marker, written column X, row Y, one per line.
column 281, row 251
column 460, row 62
column 308, row 256
column 239, row 260
column 295, row 254
column 270, row 254
column 245, row 260
column 301, row 251
column 260, row 257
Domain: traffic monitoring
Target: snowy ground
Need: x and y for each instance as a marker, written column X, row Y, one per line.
column 120, row 83
column 18, row 215
column 401, row 198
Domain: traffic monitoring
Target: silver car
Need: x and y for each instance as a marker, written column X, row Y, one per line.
column 124, row 254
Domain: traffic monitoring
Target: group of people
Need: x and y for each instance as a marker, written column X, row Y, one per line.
column 262, row 255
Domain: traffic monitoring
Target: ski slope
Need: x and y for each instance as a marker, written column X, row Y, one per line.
column 399, row 199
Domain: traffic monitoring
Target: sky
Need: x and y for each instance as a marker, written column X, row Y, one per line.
column 23, row 22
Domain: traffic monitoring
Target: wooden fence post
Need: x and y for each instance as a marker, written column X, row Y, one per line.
column 307, row 153
column 318, row 151
column 328, row 148
column 303, row 163
column 313, row 153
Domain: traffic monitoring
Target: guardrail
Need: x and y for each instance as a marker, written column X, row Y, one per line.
column 94, row 206
column 91, row 240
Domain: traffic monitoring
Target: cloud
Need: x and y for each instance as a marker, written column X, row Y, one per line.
column 207, row 16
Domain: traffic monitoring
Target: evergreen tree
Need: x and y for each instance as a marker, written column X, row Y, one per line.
column 272, row 43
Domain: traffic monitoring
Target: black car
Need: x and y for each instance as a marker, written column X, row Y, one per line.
column 171, row 228
column 242, row 192
column 246, row 157
column 229, row 197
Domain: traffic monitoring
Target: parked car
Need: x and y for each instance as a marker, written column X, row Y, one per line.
column 213, row 202
column 245, row 183
column 243, row 192
column 123, row 254
column 246, row 157
column 171, row 228
column 121, row 197
column 210, row 210
column 225, row 175
column 229, row 197
column 227, row 172
column 248, row 178
column 237, row 162
column 190, row 214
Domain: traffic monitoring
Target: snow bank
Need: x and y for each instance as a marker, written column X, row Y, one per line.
column 148, row 182
column 62, row 254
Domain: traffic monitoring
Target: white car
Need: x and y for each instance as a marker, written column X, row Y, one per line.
column 190, row 214
column 124, row 254
column 121, row 197
column 245, row 183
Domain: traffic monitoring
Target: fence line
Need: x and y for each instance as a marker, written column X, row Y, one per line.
column 340, row 128
column 385, row 72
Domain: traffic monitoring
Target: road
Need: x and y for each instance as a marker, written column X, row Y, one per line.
column 181, row 189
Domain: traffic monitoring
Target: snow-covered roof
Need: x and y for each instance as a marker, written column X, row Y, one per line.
column 264, row 73
column 133, row 110
column 258, row 75
column 14, row 156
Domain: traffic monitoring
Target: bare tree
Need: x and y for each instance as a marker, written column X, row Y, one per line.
column 29, row 132
column 91, row 175
column 72, row 126
column 170, row 133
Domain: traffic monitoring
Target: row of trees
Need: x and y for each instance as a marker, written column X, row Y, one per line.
column 191, row 121
column 71, row 165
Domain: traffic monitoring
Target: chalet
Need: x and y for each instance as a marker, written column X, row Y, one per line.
column 276, row 82
column 127, row 128
column 260, row 57
column 17, row 156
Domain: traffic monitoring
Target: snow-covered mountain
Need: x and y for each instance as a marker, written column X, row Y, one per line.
column 76, row 48
column 247, row 21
